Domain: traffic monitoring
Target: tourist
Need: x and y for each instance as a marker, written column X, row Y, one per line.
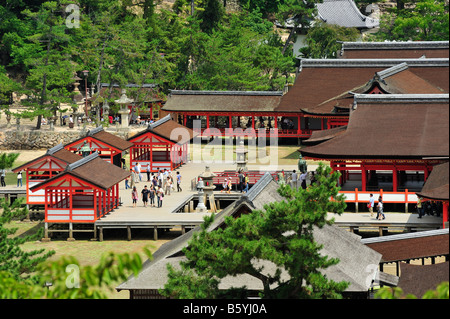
column 245, row 183
column 229, row 185
column 134, row 196
column 371, row 204
column 138, row 165
column 380, row 214
column 148, row 172
column 126, row 183
column 241, row 181
column 160, row 179
column 2, row 177
column 144, row 195
column 168, row 186
column 152, row 195
column 154, row 181
column 179, row 182
column 419, row 207
column 294, row 181
column 224, row 185
column 303, row 179
column 19, row 179
column 160, row 195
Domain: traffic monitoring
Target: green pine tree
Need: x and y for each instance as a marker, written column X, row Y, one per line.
column 282, row 234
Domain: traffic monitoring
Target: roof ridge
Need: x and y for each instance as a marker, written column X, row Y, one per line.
column 394, row 44
column 435, row 62
column 81, row 162
column 204, row 92
column 95, row 130
column 404, row 98
column 427, row 233
column 55, row 149
column 392, row 70
column 259, row 186
column 159, row 122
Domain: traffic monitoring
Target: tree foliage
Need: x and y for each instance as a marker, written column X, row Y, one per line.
column 280, row 235
column 19, row 264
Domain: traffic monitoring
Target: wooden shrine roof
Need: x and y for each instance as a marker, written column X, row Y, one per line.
column 395, row 50
column 391, row 127
column 436, row 185
column 410, row 245
column 418, row 279
column 324, row 79
column 106, row 138
column 93, row 170
column 58, row 152
column 398, row 79
column 222, row 101
column 169, row 129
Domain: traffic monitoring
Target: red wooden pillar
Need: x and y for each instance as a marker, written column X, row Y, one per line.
column 207, row 121
column 363, row 178
column 394, row 178
column 184, row 119
column 253, row 122
column 299, row 129
column 444, row 213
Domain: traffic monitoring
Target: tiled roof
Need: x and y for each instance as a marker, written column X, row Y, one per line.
column 391, row 126
column 345, row 14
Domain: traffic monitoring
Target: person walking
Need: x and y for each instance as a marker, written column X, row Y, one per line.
column 303, row 180
column 371, row 204
column 152, row 195
column 241, row 181
column 419, row 207
column 168, row 186
column 246, row 179
column 19, row 179
column 294, row 181
column 179, row 182
column 2, row 177
column 126, row 183
column 134, row 196
column 148, row 172
column 160, row 197
column 144, row 194
column 380, row 214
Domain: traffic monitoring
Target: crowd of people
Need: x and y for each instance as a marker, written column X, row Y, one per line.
column 161, row 183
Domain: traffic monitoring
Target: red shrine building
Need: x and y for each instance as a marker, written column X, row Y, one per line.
column 53, row 162
column 322, row 94
column 108, row 146
column 83, row 192
column 389, row 147
column 163, row 145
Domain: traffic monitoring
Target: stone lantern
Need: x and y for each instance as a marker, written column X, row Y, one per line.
column 208, row 187
column 241, row 157
column 123, row 102
column 201, row 208
column 78, row 97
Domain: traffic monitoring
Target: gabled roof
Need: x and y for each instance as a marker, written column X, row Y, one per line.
column 394, row 49
column 104, row 137
column 397, row 79
column 324, row 79
column 344, row 13
column 222, row 101
column 169, row 129
column 57, row 152
column 389, row 126
column 354, row 256
column 93, row 170
column 436, row 185
column 410, row 245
